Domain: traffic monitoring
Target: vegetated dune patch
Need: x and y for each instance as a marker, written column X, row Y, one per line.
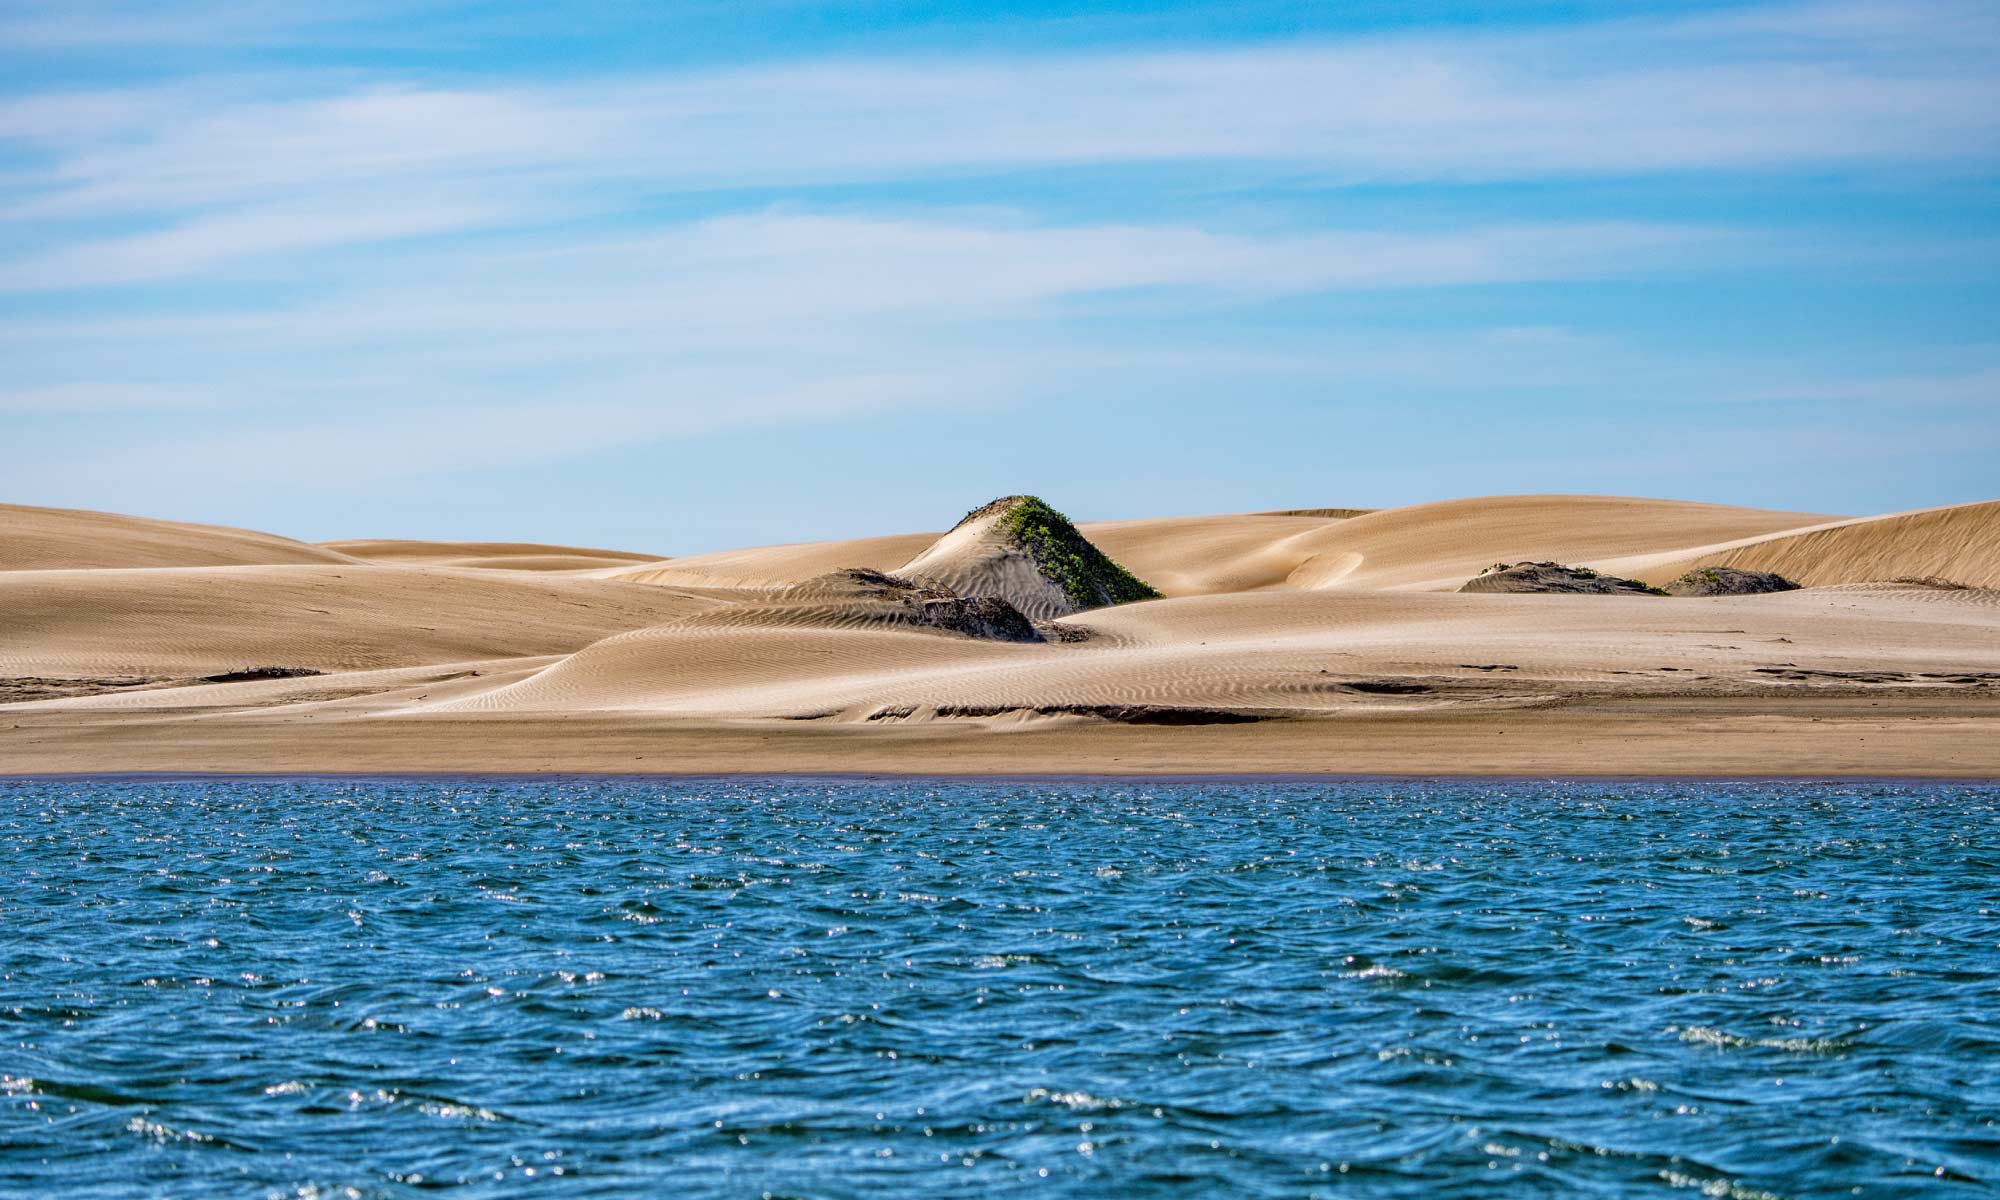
column 1551, row 578
column 57, row 539
column 502, row 556
column 1020, row 550
column 1959, row 543
column 194, row 621
column 1729, row 581
column 1439, row 546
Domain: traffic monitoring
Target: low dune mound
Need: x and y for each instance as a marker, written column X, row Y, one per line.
column 252, row 674
column 1555, row 578
column 865, row 599
column 1729, row 581
column 1020, row 550
column 924, row 605
column 56, row 539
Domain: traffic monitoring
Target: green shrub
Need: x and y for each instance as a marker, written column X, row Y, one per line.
column 1086, row 574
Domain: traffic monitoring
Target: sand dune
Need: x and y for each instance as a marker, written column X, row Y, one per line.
column 498, row 556
column 48, row 539
column 1269, row 653
column 1019, row 550
column 1437, row 547
column 1960, row 543
column 1315, row 641
column 200, row 620
column 1203, row 556
column 778, row 566
column 1434, row 547
column 1182, row 556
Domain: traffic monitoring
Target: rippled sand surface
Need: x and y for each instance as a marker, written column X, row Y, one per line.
column 609, row 988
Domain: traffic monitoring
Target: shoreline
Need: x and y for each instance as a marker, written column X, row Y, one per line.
column 861, row 777
column 1711, row 738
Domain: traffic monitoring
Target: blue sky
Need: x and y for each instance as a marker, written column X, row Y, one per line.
column 684, row 276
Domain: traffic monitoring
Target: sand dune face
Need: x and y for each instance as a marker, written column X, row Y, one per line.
column 1957, row 544
column 1301, row 641
column 1433, row 547
column 1206, row 556
column 201, row 620
column 48, row 539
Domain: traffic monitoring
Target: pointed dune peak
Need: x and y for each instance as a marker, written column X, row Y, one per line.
column 1020, row 550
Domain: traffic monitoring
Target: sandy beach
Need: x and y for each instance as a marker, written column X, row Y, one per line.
column 1319, row 641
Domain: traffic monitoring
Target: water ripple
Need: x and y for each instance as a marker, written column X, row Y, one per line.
column 319, row 988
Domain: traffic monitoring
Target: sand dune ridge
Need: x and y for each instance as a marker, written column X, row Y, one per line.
column 1308, row 640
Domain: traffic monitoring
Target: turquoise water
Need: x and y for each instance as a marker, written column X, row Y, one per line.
column 315, row 988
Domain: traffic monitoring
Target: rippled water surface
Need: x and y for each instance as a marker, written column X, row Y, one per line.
column 622, row 988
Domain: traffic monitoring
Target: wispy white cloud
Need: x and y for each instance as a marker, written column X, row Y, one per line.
column 358, row 448
column 1806, row 86
column 217, row 239
column 512, row 355
column 708, row 282
column 531, row 303
column 725, row 314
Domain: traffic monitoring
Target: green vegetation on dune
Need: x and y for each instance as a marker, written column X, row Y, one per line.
column 1554, row 577
column 1729, row 581
column 1086, row 574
